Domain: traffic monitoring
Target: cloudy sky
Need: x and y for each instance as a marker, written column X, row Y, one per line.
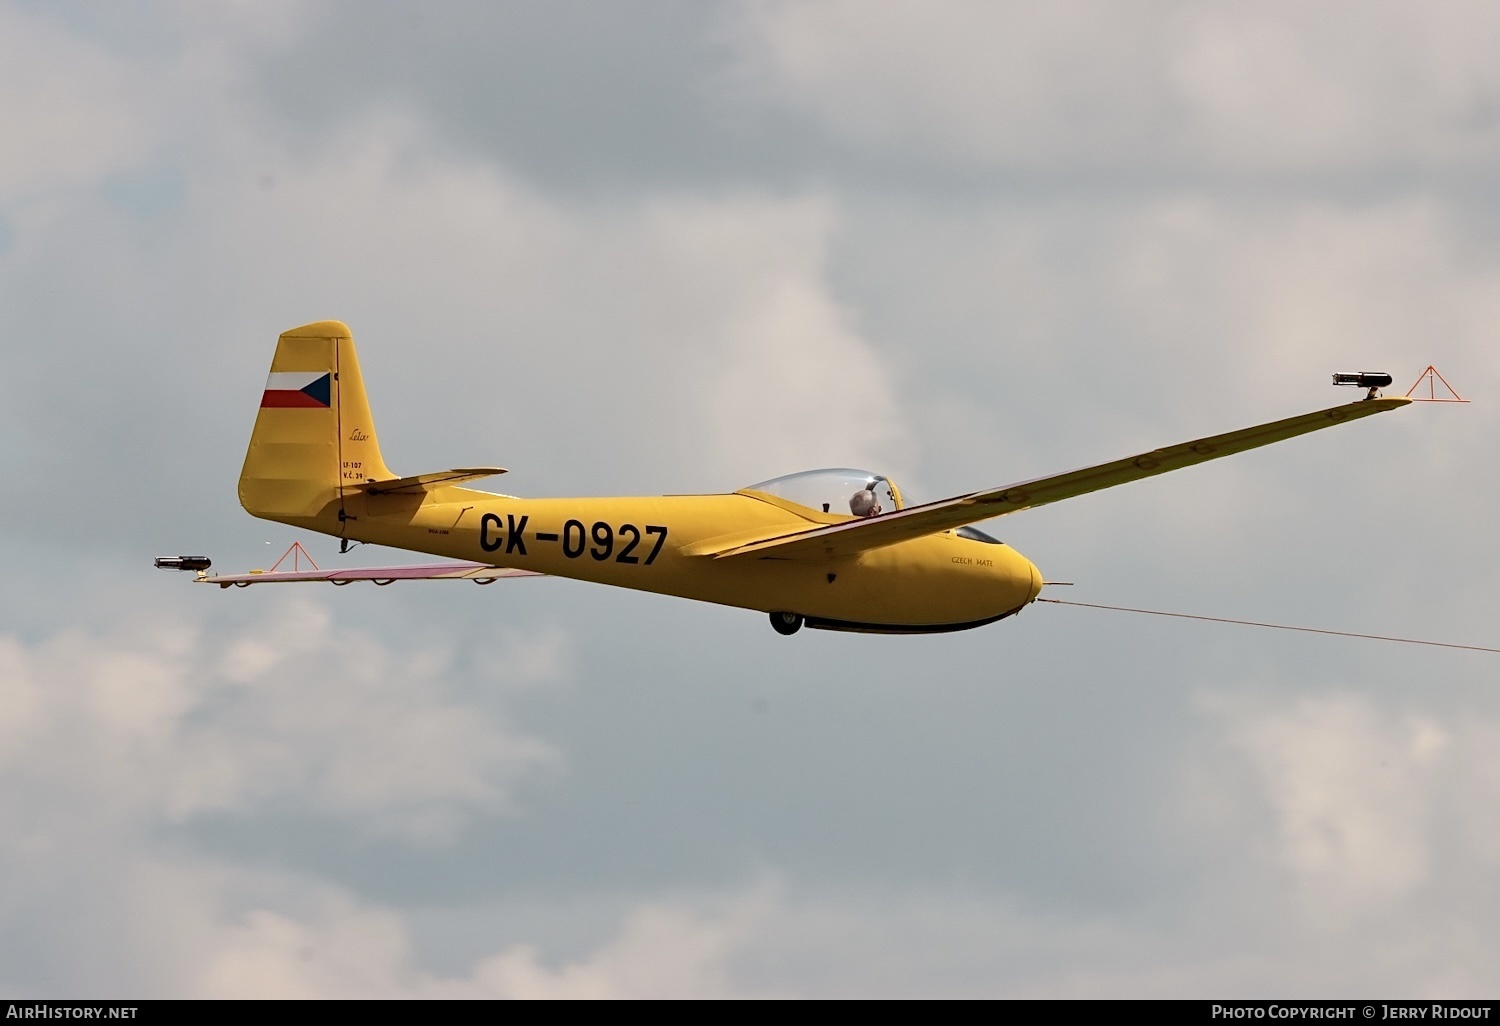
column 642, row 247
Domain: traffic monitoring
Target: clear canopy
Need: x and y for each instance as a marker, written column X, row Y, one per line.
column 838, row 490
column 849, row 492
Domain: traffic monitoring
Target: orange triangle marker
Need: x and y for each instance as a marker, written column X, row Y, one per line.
column 298, row 554
column 1432, row 377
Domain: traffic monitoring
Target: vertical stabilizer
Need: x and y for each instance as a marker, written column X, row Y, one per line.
column 313, row 433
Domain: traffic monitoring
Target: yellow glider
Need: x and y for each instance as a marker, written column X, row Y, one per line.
column 834, row 549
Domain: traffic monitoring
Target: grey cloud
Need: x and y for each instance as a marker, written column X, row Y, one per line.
column 558, row 243
column 169, row 725
column 994, row 98
column 574, row 94
column 1270, row 88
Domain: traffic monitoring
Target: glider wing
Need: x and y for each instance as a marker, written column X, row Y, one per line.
column 479, row 573
column 856, row 536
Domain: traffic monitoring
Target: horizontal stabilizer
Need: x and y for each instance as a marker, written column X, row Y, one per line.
column 426, row 482
column 479, row 573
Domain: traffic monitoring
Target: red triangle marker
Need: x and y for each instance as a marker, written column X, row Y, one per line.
column 1432, row 377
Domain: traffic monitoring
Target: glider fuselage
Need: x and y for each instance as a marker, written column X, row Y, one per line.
column 665, row 544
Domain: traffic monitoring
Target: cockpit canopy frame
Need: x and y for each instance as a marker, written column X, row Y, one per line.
column 847, row 492
column 836, row 491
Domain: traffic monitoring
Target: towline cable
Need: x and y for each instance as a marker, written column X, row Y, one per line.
column 1273, row 626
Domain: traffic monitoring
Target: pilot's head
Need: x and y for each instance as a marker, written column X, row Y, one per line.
column 864, row 504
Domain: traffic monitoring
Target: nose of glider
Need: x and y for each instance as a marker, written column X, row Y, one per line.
column 1036, row 582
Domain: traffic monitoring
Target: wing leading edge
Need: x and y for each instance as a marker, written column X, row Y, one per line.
column 857, row 536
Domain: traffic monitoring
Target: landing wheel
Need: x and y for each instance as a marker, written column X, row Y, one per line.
column 786, row 623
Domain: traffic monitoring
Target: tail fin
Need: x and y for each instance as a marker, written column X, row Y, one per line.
column 313, row 435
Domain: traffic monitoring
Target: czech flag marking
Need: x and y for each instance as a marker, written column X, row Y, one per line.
column 310, row 390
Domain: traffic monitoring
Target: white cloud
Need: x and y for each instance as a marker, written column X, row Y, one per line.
column 667, row 949
column 214, row 931
column 1226, row 87
column 1349, row 790
column 697, row 340
column 340, row 950
column 1059, row 333
column 74, row 112
column 516, row 317
column 111, row 742
column 1349, row 818
column 292, row 713
column 1374, row 834
column 1311, row 283
column 977, row 80
column 1339, row 85
column 70, row 113
column 792, row 384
